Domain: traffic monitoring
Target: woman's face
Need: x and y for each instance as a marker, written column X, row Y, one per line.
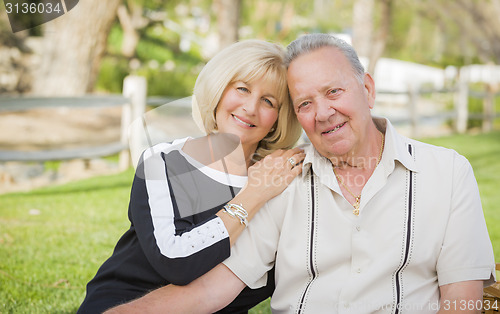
column 248, row 110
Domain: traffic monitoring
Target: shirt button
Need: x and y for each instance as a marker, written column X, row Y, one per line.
column 358, row 228
column 358, row 270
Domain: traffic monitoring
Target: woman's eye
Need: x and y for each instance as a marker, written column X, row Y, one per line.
column 243, row 89
column 270, row 103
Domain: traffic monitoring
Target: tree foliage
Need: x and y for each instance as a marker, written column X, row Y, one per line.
column 172, row 39
column 446, row 32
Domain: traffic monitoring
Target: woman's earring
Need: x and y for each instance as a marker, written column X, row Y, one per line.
column 272, row 130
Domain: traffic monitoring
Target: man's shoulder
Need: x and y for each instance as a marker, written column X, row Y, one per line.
column 288, row 196
column 419, row 149
column 433, row 150
column 427, row 155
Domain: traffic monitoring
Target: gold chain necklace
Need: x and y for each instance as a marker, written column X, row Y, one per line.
column 357, row 198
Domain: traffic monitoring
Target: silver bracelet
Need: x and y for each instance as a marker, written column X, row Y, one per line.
column 237, row 211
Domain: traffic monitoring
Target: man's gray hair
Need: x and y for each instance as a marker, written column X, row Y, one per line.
column 310, row 42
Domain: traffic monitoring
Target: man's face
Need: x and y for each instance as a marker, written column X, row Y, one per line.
column 331, row 104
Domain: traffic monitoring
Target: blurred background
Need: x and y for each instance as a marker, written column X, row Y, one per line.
column 92, row 48
column 434, row 64
column 71, row 88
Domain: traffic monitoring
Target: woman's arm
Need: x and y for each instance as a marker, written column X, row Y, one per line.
column 266, row 179
column 177, row 256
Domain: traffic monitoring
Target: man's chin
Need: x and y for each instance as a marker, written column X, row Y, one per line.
column 330, row 151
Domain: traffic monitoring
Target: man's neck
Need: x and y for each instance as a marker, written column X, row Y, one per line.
column 367, row 157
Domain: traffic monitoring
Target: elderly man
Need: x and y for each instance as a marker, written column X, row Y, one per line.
column 376, row 222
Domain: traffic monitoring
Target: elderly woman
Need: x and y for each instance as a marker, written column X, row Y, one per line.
column 191, row 198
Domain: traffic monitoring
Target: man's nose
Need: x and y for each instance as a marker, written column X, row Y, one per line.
column 324, row 110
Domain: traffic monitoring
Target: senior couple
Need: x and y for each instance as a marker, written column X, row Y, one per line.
column 362, row 220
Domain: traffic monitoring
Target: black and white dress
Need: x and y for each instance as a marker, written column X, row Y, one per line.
column 174, row 236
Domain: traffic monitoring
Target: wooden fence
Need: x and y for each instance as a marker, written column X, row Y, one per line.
column 459, row 114
column 26, row 103
column 134, row 101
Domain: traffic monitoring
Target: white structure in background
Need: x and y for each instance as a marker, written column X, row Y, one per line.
column 160, row 125
column 487, row 73
column 396, row 79
column 396, row 75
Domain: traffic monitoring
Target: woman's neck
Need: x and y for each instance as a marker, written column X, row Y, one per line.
column 248, row 152
column 235, row 160
column 221, row 152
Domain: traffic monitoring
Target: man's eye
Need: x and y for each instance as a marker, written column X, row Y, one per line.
column 303, row 105
column 334, row 91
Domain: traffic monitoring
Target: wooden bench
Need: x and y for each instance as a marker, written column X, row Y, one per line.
column 491, row 297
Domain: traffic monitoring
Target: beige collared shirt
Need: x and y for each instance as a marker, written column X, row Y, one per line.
column 421, row 225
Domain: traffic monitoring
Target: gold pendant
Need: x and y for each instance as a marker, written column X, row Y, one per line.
column 355, row 211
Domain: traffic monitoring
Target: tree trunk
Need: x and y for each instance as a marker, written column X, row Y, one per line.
column 380, row 40
column 288, row 13
column 228, row 21
column 369, row 40
column 362, row 21
column 131, row 19
column 73, row 46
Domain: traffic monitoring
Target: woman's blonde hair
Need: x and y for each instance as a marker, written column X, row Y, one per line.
column 247, row 61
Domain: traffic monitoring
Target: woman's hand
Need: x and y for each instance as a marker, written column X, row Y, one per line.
column 271, row 175
column 266, row 179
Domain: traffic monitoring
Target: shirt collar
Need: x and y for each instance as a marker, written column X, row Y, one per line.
column 315, row 160
column 395, row 148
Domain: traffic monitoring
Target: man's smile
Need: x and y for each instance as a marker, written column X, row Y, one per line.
column 335, row 129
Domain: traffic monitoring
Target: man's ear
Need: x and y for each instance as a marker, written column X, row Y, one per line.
column 369, row 85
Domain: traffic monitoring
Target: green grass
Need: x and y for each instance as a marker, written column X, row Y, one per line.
column 46, row 259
